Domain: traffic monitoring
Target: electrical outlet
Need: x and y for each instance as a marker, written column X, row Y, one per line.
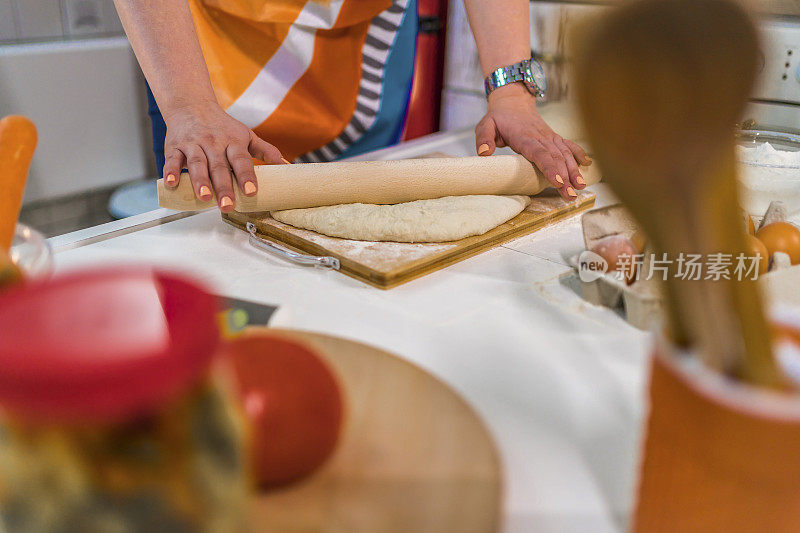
column 790, row 56
column 779, row 80
column 83, row 17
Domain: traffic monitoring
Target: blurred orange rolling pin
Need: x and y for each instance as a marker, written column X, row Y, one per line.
column 17, row 144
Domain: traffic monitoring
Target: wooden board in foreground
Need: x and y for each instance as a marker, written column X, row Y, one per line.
column 389, row 264
column 413, row 455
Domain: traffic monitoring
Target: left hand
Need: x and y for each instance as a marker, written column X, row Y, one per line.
column 512, row 120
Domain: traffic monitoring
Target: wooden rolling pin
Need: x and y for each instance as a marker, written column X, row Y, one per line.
column 375, row 182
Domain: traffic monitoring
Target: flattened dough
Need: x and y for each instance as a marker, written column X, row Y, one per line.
column 439, row 220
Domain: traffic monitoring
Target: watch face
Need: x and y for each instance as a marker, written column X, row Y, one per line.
column 537, row 76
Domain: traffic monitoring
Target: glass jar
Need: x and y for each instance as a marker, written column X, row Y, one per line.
column 769, row 170
column 111, row 418
column 31, row 252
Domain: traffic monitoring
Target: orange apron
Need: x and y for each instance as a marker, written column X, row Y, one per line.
column 306, row 76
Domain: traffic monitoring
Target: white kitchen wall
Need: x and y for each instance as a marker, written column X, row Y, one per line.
column 464, row 101
column 83, row 90
column 776, row 103
column 87, row 100
column 37, row 20
column 8, row 28
column 90, row 17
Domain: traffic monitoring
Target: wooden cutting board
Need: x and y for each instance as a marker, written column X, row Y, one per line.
column 389, row 264
column 413, row 455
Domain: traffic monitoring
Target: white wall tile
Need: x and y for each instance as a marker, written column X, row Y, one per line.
column 39, row 19
column 83, row 17
column 111, row 19
column 8, row 28
column 551, row 24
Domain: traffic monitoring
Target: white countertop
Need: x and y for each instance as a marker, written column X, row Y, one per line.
column 559, row 382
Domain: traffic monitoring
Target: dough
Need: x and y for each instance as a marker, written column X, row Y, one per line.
column 438, row 220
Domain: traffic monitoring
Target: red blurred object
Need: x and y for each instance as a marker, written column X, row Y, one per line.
column 103, row 345
column 424, row 106
column 293, row 403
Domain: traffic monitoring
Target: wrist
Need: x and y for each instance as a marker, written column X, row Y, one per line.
column 516, row 90
column 199, row 106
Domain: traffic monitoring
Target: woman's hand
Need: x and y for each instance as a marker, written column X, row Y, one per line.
column 215, row 147
column 200, row 135
column 512, row 120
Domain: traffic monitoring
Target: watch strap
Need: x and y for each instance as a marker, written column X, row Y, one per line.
column 510, row 74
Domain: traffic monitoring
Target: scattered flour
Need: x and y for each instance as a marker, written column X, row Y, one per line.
column 380, row 256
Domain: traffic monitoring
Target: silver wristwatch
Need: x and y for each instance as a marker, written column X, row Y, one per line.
column 528, row 71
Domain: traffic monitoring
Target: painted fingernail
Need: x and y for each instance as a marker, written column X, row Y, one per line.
column 170, row 179
column 580, row 180
column 285, row 162
column 571, row 192
column 559, row 180
column 225, row 202
column 482, row 149
column 249, row 187
column 205, row 193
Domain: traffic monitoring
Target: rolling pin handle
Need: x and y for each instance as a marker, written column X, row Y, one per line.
column 294, row 257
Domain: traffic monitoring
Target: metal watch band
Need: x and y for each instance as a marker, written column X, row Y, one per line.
column 512, row 74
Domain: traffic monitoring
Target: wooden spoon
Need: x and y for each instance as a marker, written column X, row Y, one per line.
column 660, row 85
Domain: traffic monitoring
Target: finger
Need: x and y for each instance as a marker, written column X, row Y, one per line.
column 579, row 153
column 172, row 167
column 242, row 165
column 485, row 135
column 534, row 152
column 197, row 164
column 560, row 162
column 261, row 149
column 220, row 172
column 540, row 156
column 572, row 166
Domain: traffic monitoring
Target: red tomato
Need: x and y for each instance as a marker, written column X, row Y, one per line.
column 293, row 404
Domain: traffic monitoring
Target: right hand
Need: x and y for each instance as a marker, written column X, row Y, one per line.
column 512, row 120
column 214, row 147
